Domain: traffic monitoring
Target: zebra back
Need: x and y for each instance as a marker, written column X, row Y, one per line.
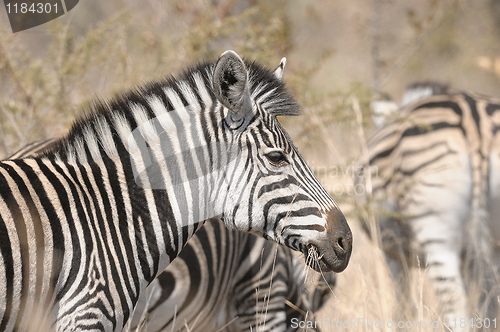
column 383, row 109
column 33, row 149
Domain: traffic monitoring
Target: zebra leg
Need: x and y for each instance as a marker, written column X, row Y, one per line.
column 443, row 270
column 439, row 234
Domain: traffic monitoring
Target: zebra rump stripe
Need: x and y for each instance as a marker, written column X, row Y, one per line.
column 224, row 277
column 85, row 227
column 438, row 188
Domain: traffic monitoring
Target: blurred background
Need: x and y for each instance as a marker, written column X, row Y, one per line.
column 340, row 55
column 334, row 48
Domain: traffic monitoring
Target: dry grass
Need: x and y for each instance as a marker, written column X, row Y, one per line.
column 367, row 292
column 45, row 84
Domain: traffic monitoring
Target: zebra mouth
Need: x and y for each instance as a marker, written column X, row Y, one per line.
column 316, row 261
column 323, row 262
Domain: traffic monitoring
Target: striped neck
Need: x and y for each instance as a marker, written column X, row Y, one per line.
column 159, row 162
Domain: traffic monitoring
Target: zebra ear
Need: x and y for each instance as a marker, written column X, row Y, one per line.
column 279, row 72
column 230, row 83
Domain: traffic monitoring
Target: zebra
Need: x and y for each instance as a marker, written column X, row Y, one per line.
column 433, row 177
column 242, row 283
column 383, row 108
column 419, row 90
column 251, row 280
column 98, row 217
column 33, row 149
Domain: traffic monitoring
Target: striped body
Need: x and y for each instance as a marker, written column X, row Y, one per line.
column 237, row 280
column 87, row 226
column 434, row 173
column 223, row 277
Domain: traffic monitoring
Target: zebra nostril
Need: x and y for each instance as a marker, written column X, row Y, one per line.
column 340, row 242
column 342, row 245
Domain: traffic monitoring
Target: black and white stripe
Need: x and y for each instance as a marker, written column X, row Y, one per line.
column 102, row 214
column 33, row 149
column 434, row 176
column 224, row 277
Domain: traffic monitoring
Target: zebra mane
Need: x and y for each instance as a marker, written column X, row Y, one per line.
column 271, row 92
column 99, row 119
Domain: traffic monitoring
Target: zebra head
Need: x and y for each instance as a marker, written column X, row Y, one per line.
column 268, row 189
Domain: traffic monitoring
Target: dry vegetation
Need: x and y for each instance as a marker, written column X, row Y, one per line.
column 47, row 77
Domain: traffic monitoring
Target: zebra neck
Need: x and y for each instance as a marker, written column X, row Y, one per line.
column 161, row 179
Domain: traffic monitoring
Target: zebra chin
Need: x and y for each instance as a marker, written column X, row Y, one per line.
column 326, row 248
column 333, row 251
column 322, row 261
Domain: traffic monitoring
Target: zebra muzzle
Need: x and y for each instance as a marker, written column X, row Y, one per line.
column 334, row 251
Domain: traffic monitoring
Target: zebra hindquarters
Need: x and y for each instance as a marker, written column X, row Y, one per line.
column 437, row 206
column 432, row 192
column 438, row 164
column 270, row 291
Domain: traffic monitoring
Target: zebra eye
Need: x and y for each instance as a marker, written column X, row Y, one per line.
column 277, row 158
